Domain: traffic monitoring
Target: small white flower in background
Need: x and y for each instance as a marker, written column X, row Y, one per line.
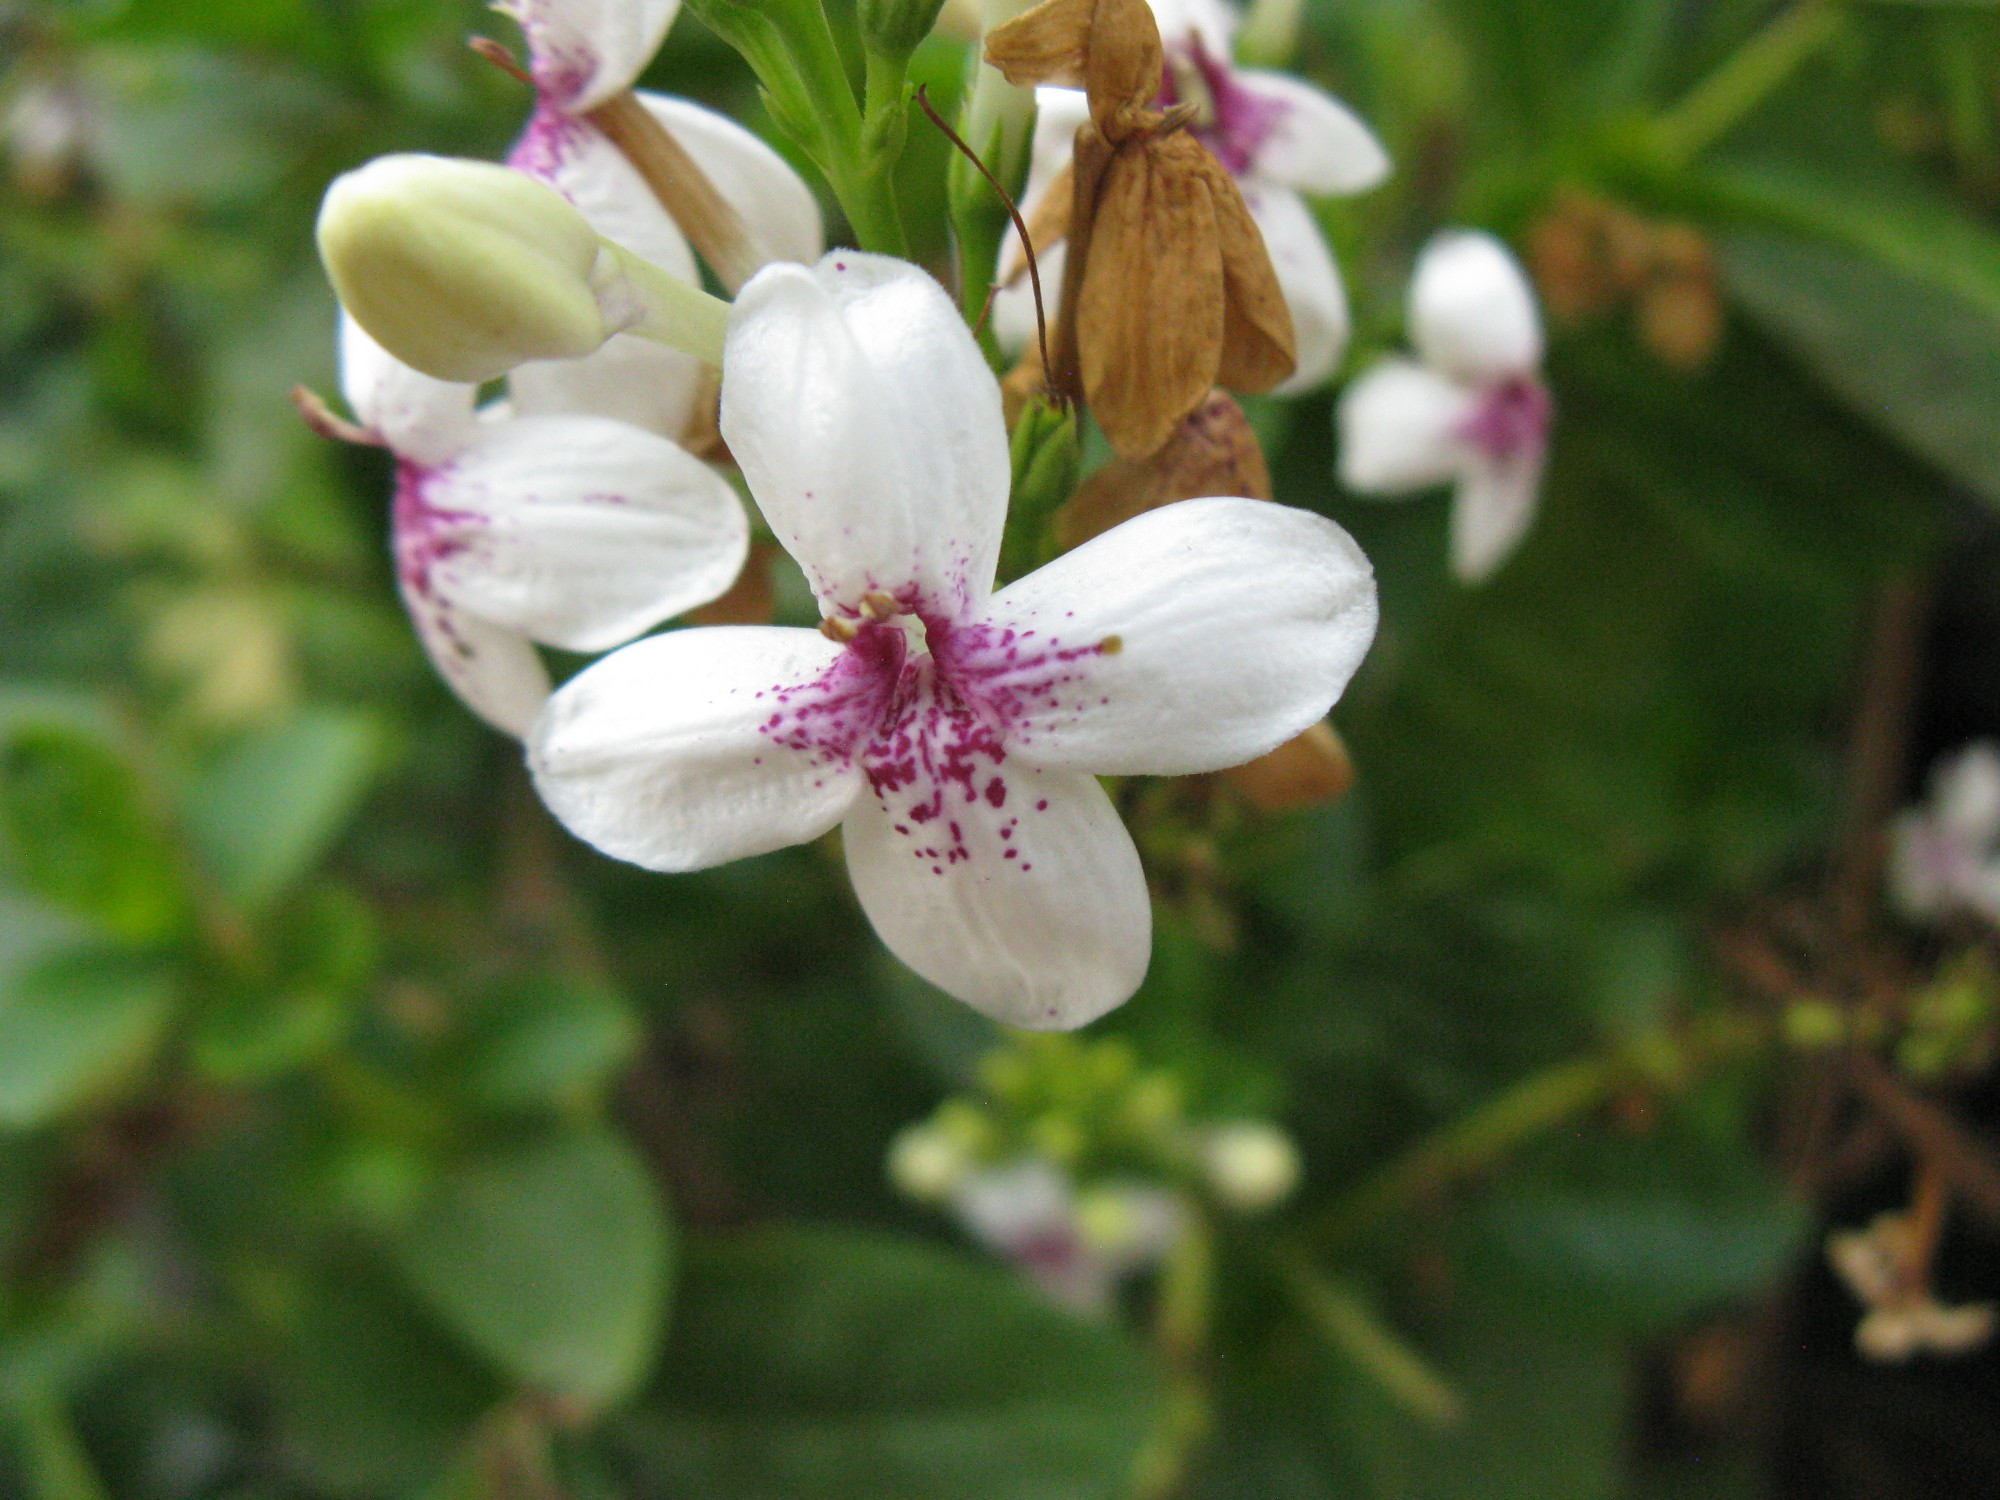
column 1077, row 1245
column 1279, row 137
column 584, row 53
column 1945, row 859
column 1474, row 411
column 953, row 734
column 1904, row 1318
column 512, row 527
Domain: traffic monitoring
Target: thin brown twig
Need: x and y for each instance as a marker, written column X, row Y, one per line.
column 1013, row 212
column 1890, row 680
column 1931, row 1134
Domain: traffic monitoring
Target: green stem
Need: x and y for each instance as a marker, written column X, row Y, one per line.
column 1537, row 1104
column 1182, row 1322
column 1755, row 71
column 1340, row 1316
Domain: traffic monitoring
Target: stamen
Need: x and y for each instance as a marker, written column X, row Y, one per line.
column 839, row 629
column 880, row 606
column 323, row 420
column 1111, row 645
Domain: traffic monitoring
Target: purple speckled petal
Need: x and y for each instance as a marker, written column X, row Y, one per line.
column 665, row 753
column 868, row 426
column 580, row 532
column 584, row 51
column 495, row 671
column 578, row 160
column 1205, row 634
column 1033, row 911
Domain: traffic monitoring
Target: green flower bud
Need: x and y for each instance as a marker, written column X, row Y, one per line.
column 1251, row 1166
column 464, row 270
column 894, row 28
column 1046, row 455
column 927, row 1164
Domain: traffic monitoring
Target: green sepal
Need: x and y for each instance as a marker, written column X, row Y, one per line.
column 1046, row 456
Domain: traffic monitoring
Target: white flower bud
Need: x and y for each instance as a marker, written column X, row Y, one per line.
column 462, row 269
column 1251, row 1166
column 927, row 1165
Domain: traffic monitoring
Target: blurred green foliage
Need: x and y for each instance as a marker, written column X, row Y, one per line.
column 360, row 1137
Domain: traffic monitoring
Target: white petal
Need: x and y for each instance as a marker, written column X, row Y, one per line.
column 1495, row 506
column 1034, row 913
column 776, row 206
column 495, row 671
column 581, row 532
column 631, row 379
column 1191, row 638
column 1966, row 793
column 661, row 754
column 868, row 426
column 421, row 419
column 1310, row 281
column 578, row 160
column 1211, row 20
column 1472, row 312
column 1399, row 426
column 1058, row 114
column 1316, row 144
column 585, row 51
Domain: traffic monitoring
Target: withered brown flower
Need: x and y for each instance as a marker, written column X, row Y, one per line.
column 1168, row 290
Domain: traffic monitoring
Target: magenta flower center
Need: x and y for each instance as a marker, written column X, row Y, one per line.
column 1234, row 121
column 1511, row 420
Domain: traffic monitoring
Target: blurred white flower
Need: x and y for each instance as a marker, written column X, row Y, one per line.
column 1076, row 1245
column 1473, row 410
column 954, row 734
column 1945, row 855
column 514, row 526
column 1279, row 137
column 1250, row 1165
column 1903, row 1318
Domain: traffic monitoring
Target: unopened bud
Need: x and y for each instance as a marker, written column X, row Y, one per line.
column 927, row 1165
column 465, row 269
column 1251, row 1166
column 893, row 28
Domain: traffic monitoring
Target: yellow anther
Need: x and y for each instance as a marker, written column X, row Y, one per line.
column 880, row 606
column 839, row 629
column 1111, row 645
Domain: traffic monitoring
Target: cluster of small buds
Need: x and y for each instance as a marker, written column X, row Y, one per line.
column 1084, row 1168
column 1945, row 860
column 1886, row 1267
column 1592, row 257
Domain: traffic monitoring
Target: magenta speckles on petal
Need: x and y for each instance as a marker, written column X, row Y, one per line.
column 1511, row 420
column 425, row 534
column 1239, row 120
column 548, row 143
column 932, row 730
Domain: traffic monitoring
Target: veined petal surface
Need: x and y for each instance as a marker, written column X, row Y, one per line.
column 1399, row 429
column 1191, row 638
column 581, row 532
column 663, row 754
column 1315, row 143
column 584, row 51
column 1034, row 913
column 422, row 419
column 1473, row 314
column 869, row 428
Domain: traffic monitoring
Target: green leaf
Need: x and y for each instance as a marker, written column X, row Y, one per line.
column 77, row 831
column 75, row 1026
column 553, row 1259
column 833, row 1365
column 270, row 808
column 1917, row 357
column 325, row 947
column 548, row 1040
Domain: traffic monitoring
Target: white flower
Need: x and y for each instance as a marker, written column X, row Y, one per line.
column 514, row 526
column 1946, row 855
column 1474, row 411
column 1280, row 138
column 1075, row 1245
column 953, row 734
column 583, row 54
column 1904, row 1318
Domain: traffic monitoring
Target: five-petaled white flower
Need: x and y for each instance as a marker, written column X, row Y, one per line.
column 1474, row 411
column 1279, row 137
column 953, row 733
column 513, row 526
column 1946, row 856
column 1075, row 1244
column 584, row 53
